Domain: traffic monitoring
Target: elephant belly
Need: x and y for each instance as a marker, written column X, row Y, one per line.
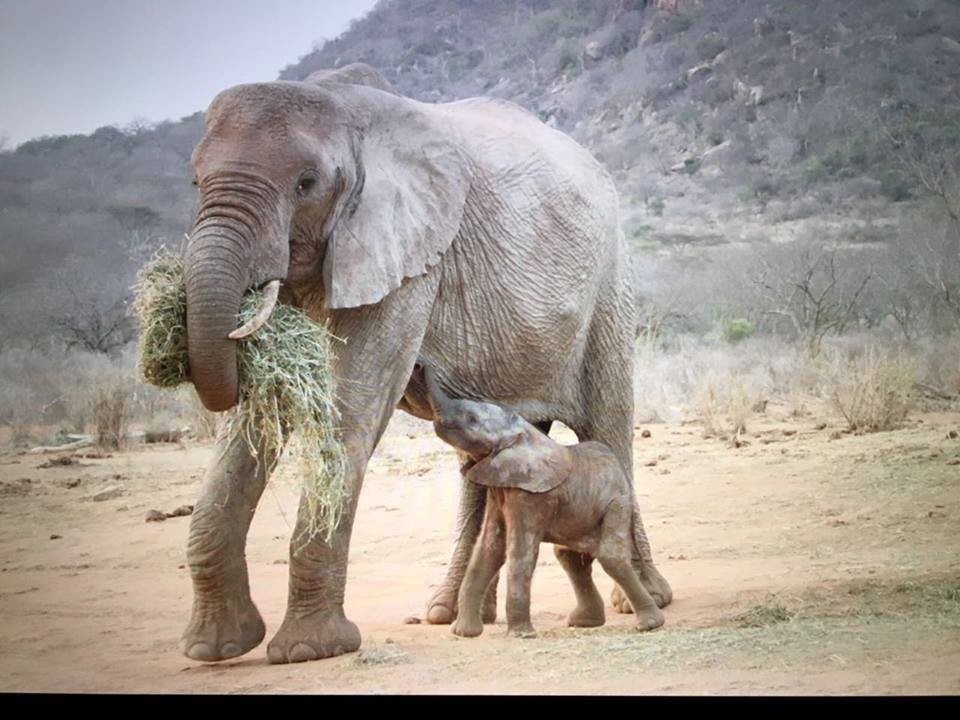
column 514, row 311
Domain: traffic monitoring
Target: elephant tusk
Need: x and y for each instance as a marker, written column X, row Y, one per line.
column 270, row 293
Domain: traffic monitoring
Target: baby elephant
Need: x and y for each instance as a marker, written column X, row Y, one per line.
column 576, row 497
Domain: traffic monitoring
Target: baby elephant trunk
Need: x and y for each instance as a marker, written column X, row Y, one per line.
column 438, row 399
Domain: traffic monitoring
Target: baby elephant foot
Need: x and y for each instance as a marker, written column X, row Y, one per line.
column 587, row 617
column 649, row 620
column 222, row 631
column 312, row 637
column 465, row 627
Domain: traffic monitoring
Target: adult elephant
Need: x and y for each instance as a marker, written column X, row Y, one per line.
column 465, row 233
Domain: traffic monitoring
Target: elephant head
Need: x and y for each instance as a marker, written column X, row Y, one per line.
column 337, row 188
column 511, row 453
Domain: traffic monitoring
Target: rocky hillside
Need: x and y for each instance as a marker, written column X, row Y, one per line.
column 721, row 120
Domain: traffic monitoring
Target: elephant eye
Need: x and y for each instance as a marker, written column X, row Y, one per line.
column 195, row 183
column 305, row 185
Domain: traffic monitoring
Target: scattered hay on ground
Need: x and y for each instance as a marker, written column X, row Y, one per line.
column 387, row 654
column 769, row 612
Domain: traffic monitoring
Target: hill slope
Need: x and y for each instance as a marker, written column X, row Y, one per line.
column 720, row 120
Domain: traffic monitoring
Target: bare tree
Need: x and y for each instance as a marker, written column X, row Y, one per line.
column 809, row 288
column 927, row 150
column 89, row 309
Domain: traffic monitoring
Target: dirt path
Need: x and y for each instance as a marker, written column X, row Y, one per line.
column 800, row 564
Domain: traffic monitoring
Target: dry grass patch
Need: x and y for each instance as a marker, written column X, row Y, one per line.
column 872, row 392
column 286, row 385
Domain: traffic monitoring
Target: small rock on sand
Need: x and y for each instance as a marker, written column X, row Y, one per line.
column 156, row 516
column 108, row 493
column 411, row 620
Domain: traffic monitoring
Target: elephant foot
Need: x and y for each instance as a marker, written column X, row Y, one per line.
column 442, row 608
column 655, row 584
column 312, row 637
column 467, row 628
column 587, row 617
column 222, row 632
column 619, row 601
column 649, row 620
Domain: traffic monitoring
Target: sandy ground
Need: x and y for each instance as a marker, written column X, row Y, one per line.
column 800, row 564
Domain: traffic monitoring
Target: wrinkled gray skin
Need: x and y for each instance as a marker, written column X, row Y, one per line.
column 468, row 233
column 577, row 498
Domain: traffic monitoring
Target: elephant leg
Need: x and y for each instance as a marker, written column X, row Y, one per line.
column 589, row 611
column 523, row 547
column 608, row 376
column 224, row 623
column 614, row 555
column 442, row 607
column 372, row 369
column 488, row 557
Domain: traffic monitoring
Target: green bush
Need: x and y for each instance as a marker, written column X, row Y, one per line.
column 678, row 24
column 894, row 186
column 814, row 170
column 737, row 329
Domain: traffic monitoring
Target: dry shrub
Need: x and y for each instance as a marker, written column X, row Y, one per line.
column 872, row 391
column 723, row 405
column 939, row 365
column 17, row 410
column 110, row 415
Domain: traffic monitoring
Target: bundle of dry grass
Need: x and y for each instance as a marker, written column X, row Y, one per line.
column 286, row 384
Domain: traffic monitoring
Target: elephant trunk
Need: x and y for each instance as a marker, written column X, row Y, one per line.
column 238, row 241
column 216, row 277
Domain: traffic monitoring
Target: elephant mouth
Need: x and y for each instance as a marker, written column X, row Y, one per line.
column 453, row 434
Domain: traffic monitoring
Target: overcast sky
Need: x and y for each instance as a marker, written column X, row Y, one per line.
column 71, row 66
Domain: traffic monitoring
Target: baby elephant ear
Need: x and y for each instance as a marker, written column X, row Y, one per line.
column 534, row 466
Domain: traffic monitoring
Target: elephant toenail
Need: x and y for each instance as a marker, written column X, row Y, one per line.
column 203, row 652
column 301, row 652
column 230, row 650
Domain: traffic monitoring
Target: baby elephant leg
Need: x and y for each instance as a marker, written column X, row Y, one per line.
column 614, row 556
column 486, row 561
column 523, row 546
column 589, row 611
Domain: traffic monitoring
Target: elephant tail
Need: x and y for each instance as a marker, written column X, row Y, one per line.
column 641, row 544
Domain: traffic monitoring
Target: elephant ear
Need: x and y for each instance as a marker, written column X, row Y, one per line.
column 405, row 208
column 536, row 466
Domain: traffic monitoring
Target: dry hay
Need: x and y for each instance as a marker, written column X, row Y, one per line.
column 286, row 384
